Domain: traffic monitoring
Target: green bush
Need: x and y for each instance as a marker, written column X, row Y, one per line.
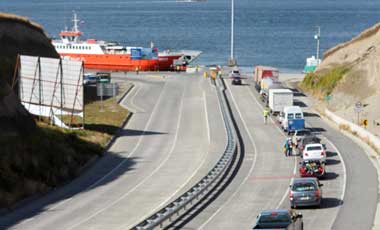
column 324, row 82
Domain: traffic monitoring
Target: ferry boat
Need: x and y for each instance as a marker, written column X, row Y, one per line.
column 105, row 55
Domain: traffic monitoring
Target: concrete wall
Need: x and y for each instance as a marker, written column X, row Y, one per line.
column 360, row 131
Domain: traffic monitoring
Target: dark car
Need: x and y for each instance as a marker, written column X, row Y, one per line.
column 89, row 78
column 279, row 219
column 305, row 192
column 308, row 139
column 235, row 76
column 312, row 168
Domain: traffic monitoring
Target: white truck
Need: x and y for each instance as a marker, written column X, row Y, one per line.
column 279, row 99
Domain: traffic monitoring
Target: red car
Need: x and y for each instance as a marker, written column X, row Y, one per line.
column 312, row 168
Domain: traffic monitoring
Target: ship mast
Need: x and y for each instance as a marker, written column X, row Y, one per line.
column 75, row 20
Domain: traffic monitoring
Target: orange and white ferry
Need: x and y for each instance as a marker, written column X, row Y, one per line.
column 112, row 56
column 105, row 55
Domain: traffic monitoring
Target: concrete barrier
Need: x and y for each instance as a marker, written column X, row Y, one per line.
column 356, row 129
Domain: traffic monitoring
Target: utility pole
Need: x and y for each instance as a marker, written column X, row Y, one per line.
column 318, row 37
column 232, row 61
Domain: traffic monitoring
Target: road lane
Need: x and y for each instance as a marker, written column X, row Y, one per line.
column 163, row 164
column 260, row 183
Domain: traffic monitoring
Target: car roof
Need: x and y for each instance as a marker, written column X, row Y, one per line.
column 269, row 211
column 313, row 144
column 312, row 159
column 304, row 179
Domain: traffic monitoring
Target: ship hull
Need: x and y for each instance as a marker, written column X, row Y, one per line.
column 114, row 62
column 166, row 62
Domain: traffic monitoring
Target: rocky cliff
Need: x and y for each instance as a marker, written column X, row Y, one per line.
column 18, row 35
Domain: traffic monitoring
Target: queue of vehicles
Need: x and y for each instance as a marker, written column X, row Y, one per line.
column 306, row 190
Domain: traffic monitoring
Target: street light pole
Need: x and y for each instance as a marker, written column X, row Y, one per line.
column 232, row 61
column 318, row 37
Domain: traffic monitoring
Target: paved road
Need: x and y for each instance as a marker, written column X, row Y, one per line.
column 263, row 180
column 361, row 194
column 175, row 136
column 163, row 150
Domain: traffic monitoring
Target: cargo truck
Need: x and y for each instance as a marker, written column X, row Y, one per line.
column 279, row 99
column 262, row 72
column 266, row 85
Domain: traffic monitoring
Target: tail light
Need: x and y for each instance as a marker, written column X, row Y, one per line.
column 320, row 169
column 323, row 153
column 306, row 154
column 291, row 195
column 317, row 193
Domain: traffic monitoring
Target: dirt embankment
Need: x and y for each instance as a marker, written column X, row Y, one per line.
column 352, row 71
column 18, row 35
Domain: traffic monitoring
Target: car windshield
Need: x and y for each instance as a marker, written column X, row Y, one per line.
column 273, row 218
column 304, row 187
column 235, row 71
column 313, row 148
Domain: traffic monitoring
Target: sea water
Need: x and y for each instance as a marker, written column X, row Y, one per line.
column 279, row 33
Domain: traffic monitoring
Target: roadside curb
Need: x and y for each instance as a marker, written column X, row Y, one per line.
column 371, row 153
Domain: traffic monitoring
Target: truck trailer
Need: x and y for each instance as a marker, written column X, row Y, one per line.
column 278, row 99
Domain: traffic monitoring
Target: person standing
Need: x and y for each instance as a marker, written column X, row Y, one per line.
column 290, row 149
column 266, row 114
column 137, row 70
column 294, row 142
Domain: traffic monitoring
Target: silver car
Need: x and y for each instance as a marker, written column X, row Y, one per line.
column 305, row 192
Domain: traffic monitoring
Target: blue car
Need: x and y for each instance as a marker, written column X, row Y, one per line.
column 279, row 219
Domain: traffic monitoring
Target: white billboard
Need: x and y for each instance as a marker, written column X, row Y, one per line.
column 53, row 83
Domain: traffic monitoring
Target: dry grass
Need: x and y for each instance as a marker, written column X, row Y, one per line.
column 51, row 156
column 21, row 19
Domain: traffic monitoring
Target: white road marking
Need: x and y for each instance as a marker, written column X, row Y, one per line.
column 283, row 134
column 250, row 170
column 144, row 180
column 135, row 108
column 206, row 116
column 344, row 176
column 185, row 183
column 126, row 159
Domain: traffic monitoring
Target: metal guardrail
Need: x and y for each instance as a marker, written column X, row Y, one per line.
column 196, row 192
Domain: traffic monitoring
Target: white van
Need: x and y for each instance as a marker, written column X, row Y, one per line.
column 290, row 113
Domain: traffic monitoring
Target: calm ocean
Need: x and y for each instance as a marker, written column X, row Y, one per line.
column 269, row 32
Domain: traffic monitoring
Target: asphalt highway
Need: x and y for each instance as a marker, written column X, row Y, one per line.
column 175, row 137
column 163, row 150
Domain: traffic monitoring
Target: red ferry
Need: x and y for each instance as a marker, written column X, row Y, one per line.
column 112, row 56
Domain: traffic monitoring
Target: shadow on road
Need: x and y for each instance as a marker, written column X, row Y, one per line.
column 330, row 176
column 332, row 162
column 331, row 154
column 300, row 104
column 89, row 180
column 317, row 130
column 133, row 132
column 331, row 202
column 307, row 114
column 327, row 202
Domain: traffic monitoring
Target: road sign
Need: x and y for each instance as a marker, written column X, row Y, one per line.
column 358, row 107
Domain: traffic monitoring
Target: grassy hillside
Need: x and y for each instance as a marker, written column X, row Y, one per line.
column 323, row 83
column 51, row 156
